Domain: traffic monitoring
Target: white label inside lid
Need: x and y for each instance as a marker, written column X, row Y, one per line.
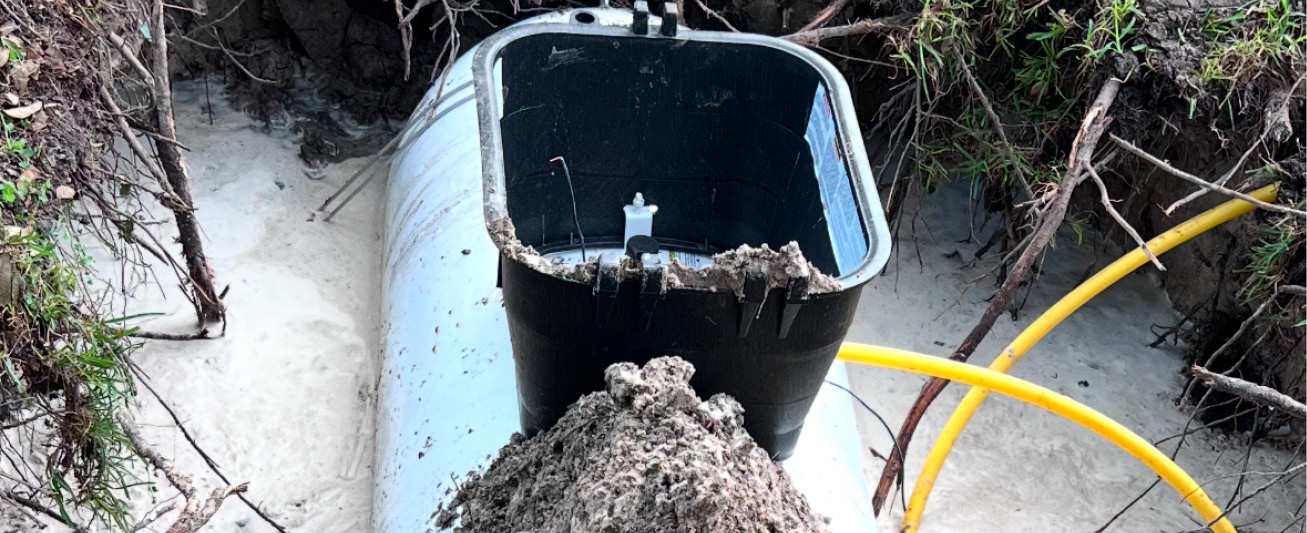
column 848, row 242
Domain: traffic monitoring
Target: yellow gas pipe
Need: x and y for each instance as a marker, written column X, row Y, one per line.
column 1046, row 322
column 1061, row 405
column 1055, row 315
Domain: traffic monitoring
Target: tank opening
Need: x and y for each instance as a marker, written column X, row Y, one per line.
column 584, row 17
column 729, row 153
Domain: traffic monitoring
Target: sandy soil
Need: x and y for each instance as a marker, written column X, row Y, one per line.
column 1018, row 468
column 284, row 399
column 645, row 455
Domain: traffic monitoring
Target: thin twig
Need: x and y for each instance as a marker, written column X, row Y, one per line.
column 195, row 514
column 998, row 127
column 213, row 465
column 202, row 334
column 35, row 506
column 1243, row 328
column 862, row 27
column 1107, row 204
column 154, row 515
column 1259, row 490
column 1252, row 391
column 239, row 65
column 130, row 56
column 716, row 15
column 1279, row 101
column 827, row 13
column 1201, row 182
column 1128, row 506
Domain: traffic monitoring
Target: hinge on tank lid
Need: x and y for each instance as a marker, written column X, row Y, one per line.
column 670, row 18
column 651, row 290
column 755, row 294
column 644, row 249
column 607, row 282
column 640, row 22
column 795, row 296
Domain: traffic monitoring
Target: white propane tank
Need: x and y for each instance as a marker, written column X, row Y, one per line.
column 447, row 399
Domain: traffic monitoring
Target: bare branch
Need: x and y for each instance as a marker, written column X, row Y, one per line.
column 1054, row 212
column 154, row 515
column 130, row 56
column 1252, row 391
column 195, row 513
column 178, row 480
column 202, row 334
column 862, row 27
column 1277, row 126
column 716, row 15
column 142, row 379
column 131, row 139
column 1201, row 182
column 36, row 506
column 835, row 7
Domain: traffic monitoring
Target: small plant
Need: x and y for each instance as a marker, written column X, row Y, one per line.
column 1251, row 42
column 13, row 49
column 1039, row 70
column 942, row 24
column 1111, row 32
column 1267, row 261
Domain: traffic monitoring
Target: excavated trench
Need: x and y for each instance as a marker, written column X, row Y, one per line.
column 333, row 71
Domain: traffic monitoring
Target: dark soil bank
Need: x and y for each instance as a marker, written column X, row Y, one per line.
column 644, row 456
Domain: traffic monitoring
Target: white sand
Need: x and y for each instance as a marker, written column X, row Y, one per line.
column 284, row 399
column 1018, row 468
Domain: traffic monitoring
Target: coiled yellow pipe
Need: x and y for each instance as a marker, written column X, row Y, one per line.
column 1054, row 316
column 1061, row 405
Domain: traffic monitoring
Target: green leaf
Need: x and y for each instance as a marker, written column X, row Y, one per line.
column 132, row 317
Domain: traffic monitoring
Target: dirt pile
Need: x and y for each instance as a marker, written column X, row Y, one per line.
column 726, row 273
column 645, row 455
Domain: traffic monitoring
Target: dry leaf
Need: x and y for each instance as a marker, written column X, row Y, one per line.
column 28, row 175
column 22, row 74
column 4, row 57
column 26, row 111
column 39, row 121
column 64, row 192
column 8, row 28
column 11, row 98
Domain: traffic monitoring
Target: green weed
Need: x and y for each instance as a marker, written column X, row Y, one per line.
column 1267, row 261
column 1251, row 42
column 1111, row 32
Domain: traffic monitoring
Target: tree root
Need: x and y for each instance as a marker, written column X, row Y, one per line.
column 1054, row 211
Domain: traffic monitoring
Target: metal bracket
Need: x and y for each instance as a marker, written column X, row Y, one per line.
column 795, row 296
column 606, row 284
column 651, row 290
column 755, row 294
column 640, row 22
column 670, row 18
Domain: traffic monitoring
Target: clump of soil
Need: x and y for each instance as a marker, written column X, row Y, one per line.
column 646, row 455
column 729, row 269
column 726, row 273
